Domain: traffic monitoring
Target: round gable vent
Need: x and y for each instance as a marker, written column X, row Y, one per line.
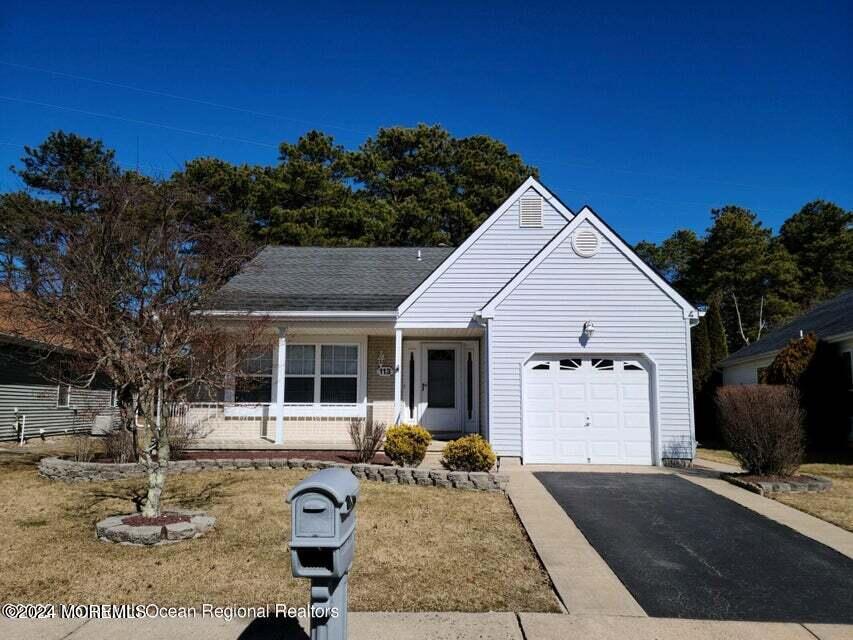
column 585, row 243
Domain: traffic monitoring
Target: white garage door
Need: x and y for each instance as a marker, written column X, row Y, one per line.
column 580, row 410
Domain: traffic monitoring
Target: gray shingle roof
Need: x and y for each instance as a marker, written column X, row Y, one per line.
column 831, row 318
column 329, row 278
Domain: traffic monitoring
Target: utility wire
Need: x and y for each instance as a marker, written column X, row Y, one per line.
column 147, row 123
column 175, row 96
column 218, row 105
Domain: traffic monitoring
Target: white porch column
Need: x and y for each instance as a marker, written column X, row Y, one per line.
column 398, row 373
column 279, row 386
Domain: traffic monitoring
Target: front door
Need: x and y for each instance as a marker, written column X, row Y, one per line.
column 440, row 387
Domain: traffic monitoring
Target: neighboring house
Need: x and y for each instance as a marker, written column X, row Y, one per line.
column 30, row 401
column 543, row 331
column 831, row 321
column 30, row 396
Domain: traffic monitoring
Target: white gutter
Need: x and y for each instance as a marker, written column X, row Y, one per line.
column 319, row 315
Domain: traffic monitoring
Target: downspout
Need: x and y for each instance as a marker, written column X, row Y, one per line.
column 692, row 321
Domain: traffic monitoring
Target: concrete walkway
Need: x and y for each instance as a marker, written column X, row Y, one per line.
column 583, row 581
column 427, row 626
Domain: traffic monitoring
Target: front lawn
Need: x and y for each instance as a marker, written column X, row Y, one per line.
column 417, row 548
column 835, row 506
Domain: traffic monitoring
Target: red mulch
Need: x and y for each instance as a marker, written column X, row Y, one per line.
column 347, row 457
column 159, row 521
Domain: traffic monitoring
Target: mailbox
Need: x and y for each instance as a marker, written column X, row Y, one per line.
column 322, row 543
column 322, row 524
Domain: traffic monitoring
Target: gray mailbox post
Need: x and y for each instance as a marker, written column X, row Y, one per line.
column 322, row 542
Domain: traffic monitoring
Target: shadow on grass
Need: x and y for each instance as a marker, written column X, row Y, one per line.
column 181, row 496
column 277, row 628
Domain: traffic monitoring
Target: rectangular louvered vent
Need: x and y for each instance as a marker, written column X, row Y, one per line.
column 530, row 212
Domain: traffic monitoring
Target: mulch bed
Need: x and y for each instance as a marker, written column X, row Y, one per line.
column 346, row 457
column 158, row 521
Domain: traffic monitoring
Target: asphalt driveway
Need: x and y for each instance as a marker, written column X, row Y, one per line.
column 684, row 552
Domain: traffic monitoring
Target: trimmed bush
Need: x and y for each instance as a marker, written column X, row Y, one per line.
column 471, row 453
column 407, row 444
column 762, row 425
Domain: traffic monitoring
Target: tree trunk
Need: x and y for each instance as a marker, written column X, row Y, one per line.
column 157, row 468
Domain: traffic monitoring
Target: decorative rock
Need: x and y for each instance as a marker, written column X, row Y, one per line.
column 144, row 535
column 372, row 471
column 389, row 475
column 113, row 529
column 108, row 523
column 421, row 477
column 404, row 476
column 481, row 480
column 72, row 471
column 501, row 480
column 180, row 531
column 438, row 475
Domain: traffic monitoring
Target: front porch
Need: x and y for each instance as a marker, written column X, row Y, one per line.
column 305, row 387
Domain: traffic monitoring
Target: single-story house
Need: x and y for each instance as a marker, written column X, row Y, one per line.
column 831, row 321
column 33, row 403
column 543, row 331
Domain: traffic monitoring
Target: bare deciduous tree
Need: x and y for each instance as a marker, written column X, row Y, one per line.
column 123, row 283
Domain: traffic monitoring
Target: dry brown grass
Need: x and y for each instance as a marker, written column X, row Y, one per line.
column 717, row 455
column 418, row 548
column 835, row 506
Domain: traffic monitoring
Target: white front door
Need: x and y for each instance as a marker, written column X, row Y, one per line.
column 441, row 388
column 586, row 410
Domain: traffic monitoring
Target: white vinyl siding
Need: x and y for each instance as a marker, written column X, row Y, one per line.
column 483, row 269
column 545, row 313
column 746, row 372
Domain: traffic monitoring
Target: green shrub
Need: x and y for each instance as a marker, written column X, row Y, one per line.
column 817, row 370
column 407, row 444
column 763, row 427
column 471, row 453
column 791, row 362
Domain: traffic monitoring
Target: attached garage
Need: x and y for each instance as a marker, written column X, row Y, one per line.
column 587, row 410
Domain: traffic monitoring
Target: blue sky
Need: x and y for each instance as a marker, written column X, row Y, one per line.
column 651, row 114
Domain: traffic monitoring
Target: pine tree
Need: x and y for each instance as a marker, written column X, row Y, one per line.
column 701, row 355
column 820, row 237
column 717, row 346
column 755, row 274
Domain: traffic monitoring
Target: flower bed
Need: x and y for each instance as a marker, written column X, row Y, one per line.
column 72, row 471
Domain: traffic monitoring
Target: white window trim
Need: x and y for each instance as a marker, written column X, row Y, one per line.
column 316, row 408
column 59, row 405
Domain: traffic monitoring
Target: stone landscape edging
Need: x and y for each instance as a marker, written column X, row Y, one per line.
column 815, row 484
column 55, row 468
column 113, row 529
